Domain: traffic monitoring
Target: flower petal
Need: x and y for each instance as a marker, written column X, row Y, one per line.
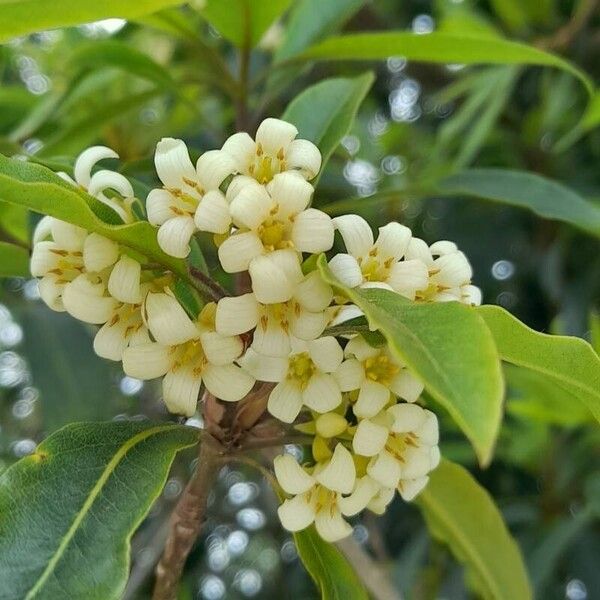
column 331, row 526
column 236, row 252
column 305, row 157
column 85, row 301
column 99, row 252
column 236, row 315
column 67, row 236
column 307, row 325
column 291, row 476
column 264, row 368
column 275, row 135
column 407, row 417
column 241, row 147
column 369, row 438
column 213, row 167
column 110, row 341
column 146, row 361
column 173, row 165
column 51, row 293
column 105, row 179
column 296, row 514
column 364, row 491
column 322, row 393
column 312, row 293
column 270, row 337
column 251, row 206
column 408, row 276
column 212, row 214
column 221, row 349
column 270, row 283
column 454, row 270
column 312, row 231
column 356, row 233
column 291, row 193
column 345, row 268
column 361, row 349
column 372, row 397
column 419, row 250
column 227, row 382
column 326, row 353
column 159, row 206
column 124, row 281
column 167, row 320
column 385, row 469
column 285, row 401
column 180, row 391
column 339, row 474
column 410, row 488
column 350, row 375
column 406, row 386
column 86, row 161
column 381, row 500
column 393, row 241
column 174, row 236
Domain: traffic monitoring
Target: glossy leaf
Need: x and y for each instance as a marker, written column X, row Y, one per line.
column 243, row 21
column 324, row 113
column 69, row 509
column 64, row 367
column 439, row 48
column 40, row 190
column 14, row 260
column 569, row 363
column 544, row 197
column 448, row 346
column 460, row 513
column 18, row 17
column 328, row 567
column 14, row 221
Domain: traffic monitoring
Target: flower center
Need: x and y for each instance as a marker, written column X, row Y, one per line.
column 273, row 234
column 190, row 354
column 68, row 266
column 381, row 369
column 322, row 499
column 265, row 166
column 397, row 443
column 301, row 368
column 373, row 269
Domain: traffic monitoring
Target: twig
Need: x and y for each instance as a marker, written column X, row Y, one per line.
column 566, row 34
column 206, row 285
column 370, row 573
column 186, row 521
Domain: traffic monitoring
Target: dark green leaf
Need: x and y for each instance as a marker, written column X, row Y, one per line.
column 439, row 48
column 461, row 513
column 14, row 260
column 569, row 363
column 18, row 17
column 69, row 510
column 448, row 346
column 324, row 113
column 544, row 197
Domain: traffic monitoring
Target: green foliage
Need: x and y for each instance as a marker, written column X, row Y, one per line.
column 569, row 363
column 325, row 112
column 243, row 22
column 439, row 47
column 25, row 16
column 449, row 348
column 40, row 190
column 334, row 577
column 69, row 536
column 461, row 513
column 544, row 197
column 14, row 260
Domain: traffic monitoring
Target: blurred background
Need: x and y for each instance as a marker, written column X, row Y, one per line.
column 63, row 90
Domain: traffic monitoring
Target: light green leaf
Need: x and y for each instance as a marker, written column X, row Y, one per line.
column 310, row 21
column 14, row 221
column 439, row 48
column 448, row 346
column 544, row 197
column 14, row 260
column 243, row 21
column 328, row 567
column 459, row 512
column 112, row 53
column 67, row 512
column 40, row 190
column 18, row 17
column 324, row 113
column 64, row 367
column 569, row 363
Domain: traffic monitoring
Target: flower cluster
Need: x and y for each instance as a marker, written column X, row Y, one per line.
column 358, row 402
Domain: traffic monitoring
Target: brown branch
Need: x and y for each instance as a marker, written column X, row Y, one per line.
column 564, row 36
column 187, row 520
column 207, row 286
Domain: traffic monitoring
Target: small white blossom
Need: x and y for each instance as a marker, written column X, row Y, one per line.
column 274, row 151
column 450, row 273
column 376, row 375
column 380, row 263
column 273, row 218
column 303, row 378
column 188, row 354
column 402, row 441
column 190, row 198
column 303, row 316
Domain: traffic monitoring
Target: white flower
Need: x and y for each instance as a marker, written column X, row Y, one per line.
column 273, row 218
column 303, row 378
column 379, row 263
column 376, row 375
column 103, row 180
column 303, row 316
column 190, row 198
column 402, row 441
column 318, row 497
column 274, row 151
column 86, row 298
column 449, row 273
column 188, row 354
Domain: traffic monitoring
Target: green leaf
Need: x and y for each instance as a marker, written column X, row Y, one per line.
column 14, row 260
column 14, row 221
column 243, row 21
column 64, row 367
column 18, row 17
column 328, row 567
column 312, row 20
column 459, row 512
column 569, row 363
column 448, row 346
column 439, row 48
column 40, row 190
column 544, row 197
column 112, row 53
column 68, row 511
column 324, row 113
